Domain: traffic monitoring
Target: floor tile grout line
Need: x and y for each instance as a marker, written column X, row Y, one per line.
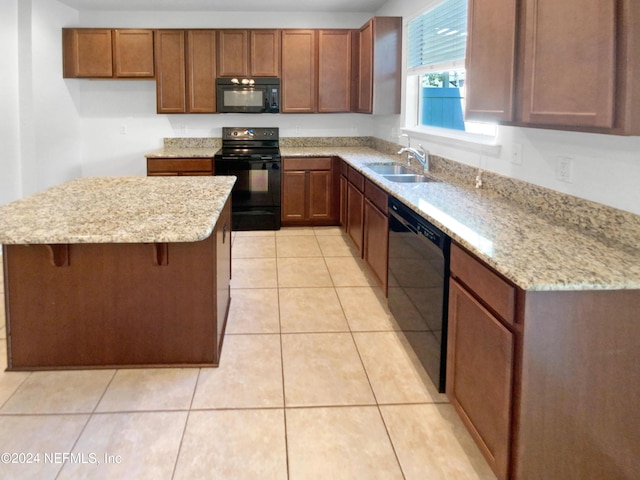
column 186, row 423
column 89, row 417
column 284, row 398
column 377, row 404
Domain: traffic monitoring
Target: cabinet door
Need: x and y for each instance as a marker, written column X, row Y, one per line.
column 87, row 53
column 355, row 215
column 233, row 53
column 479, row 375
column 170, row 71
column 376, row 242
column 201, row 71
column 320, row 195
column 264, row 53
column 298, row 71
column 343, row 202
column 133, row 53
column 334, row 70
column 293, row 195
column 569, row 63
column 490, row 60
column 365, row 69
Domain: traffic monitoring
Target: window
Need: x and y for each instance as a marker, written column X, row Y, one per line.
column 436, row 46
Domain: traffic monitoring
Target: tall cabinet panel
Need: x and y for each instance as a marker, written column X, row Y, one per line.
column 569, row 63
column 334, row 70
column 490, row 60
column 170, row 71
column 298, row 71
column 201, row 71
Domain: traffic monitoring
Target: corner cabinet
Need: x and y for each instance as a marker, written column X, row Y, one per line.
column 308, row 191
column 379, row 66
column 575, row 66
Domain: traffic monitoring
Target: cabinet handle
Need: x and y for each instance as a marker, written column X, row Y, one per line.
column 224, row 232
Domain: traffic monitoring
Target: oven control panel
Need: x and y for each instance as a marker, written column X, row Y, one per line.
column 244, row 133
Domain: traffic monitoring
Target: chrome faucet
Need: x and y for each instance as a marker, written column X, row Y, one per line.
column 422, row 156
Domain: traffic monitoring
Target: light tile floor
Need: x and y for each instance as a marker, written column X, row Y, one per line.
column 315, row 382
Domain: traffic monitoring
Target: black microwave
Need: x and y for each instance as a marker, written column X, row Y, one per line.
column 248, row 95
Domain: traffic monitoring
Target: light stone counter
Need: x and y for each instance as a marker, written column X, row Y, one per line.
column 118, row 210
column 536, row 251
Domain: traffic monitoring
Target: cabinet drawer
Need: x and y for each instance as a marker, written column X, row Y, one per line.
column 495, row 292
column 356, row 178
column 376, row 196
column 179, row 165
column 307, row 163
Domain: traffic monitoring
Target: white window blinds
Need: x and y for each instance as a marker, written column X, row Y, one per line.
column 437, row 38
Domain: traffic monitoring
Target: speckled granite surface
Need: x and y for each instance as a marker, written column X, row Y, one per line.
column 118, row 210
column 538, row 238
column 533, row 250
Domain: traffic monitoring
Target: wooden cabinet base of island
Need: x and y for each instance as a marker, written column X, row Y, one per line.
column 118, row 305
column 545, row 381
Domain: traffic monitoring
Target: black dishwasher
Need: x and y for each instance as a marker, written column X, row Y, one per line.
column 419, row 286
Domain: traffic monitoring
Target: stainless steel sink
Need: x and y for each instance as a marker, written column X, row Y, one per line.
column 409, row 178
column 389, row 169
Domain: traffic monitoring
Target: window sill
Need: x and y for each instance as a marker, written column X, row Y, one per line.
column 467, row 141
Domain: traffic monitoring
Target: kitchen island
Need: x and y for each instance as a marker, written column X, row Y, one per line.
column 118, row 271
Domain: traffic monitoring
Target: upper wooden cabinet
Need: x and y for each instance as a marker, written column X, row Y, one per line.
column 491, row 47
column 379, row 66
column 170, row 76
column 569, row 63
column 133, row 53
column 107, row 53
column 575, row 65
column 298, row 93
column 201, row 71
column 264, row 53
column 334, row 70
column 248, row 53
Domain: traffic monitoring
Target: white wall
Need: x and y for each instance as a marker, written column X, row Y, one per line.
column 10, row 178
column 40, row 125
column 605, row 168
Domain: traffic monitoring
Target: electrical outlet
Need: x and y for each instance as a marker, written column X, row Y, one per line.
column 184, row 129
column 123, row 130
column 516, row 154
column 564, row 168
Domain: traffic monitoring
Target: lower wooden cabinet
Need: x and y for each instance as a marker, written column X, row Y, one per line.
column 480, row 374
column 364, row 218
column 376, row 233
column 179, row 166
column 308, row 191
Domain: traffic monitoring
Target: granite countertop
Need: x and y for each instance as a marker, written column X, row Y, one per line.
column 118, row 210
column 535, row 252
column 183, row 152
